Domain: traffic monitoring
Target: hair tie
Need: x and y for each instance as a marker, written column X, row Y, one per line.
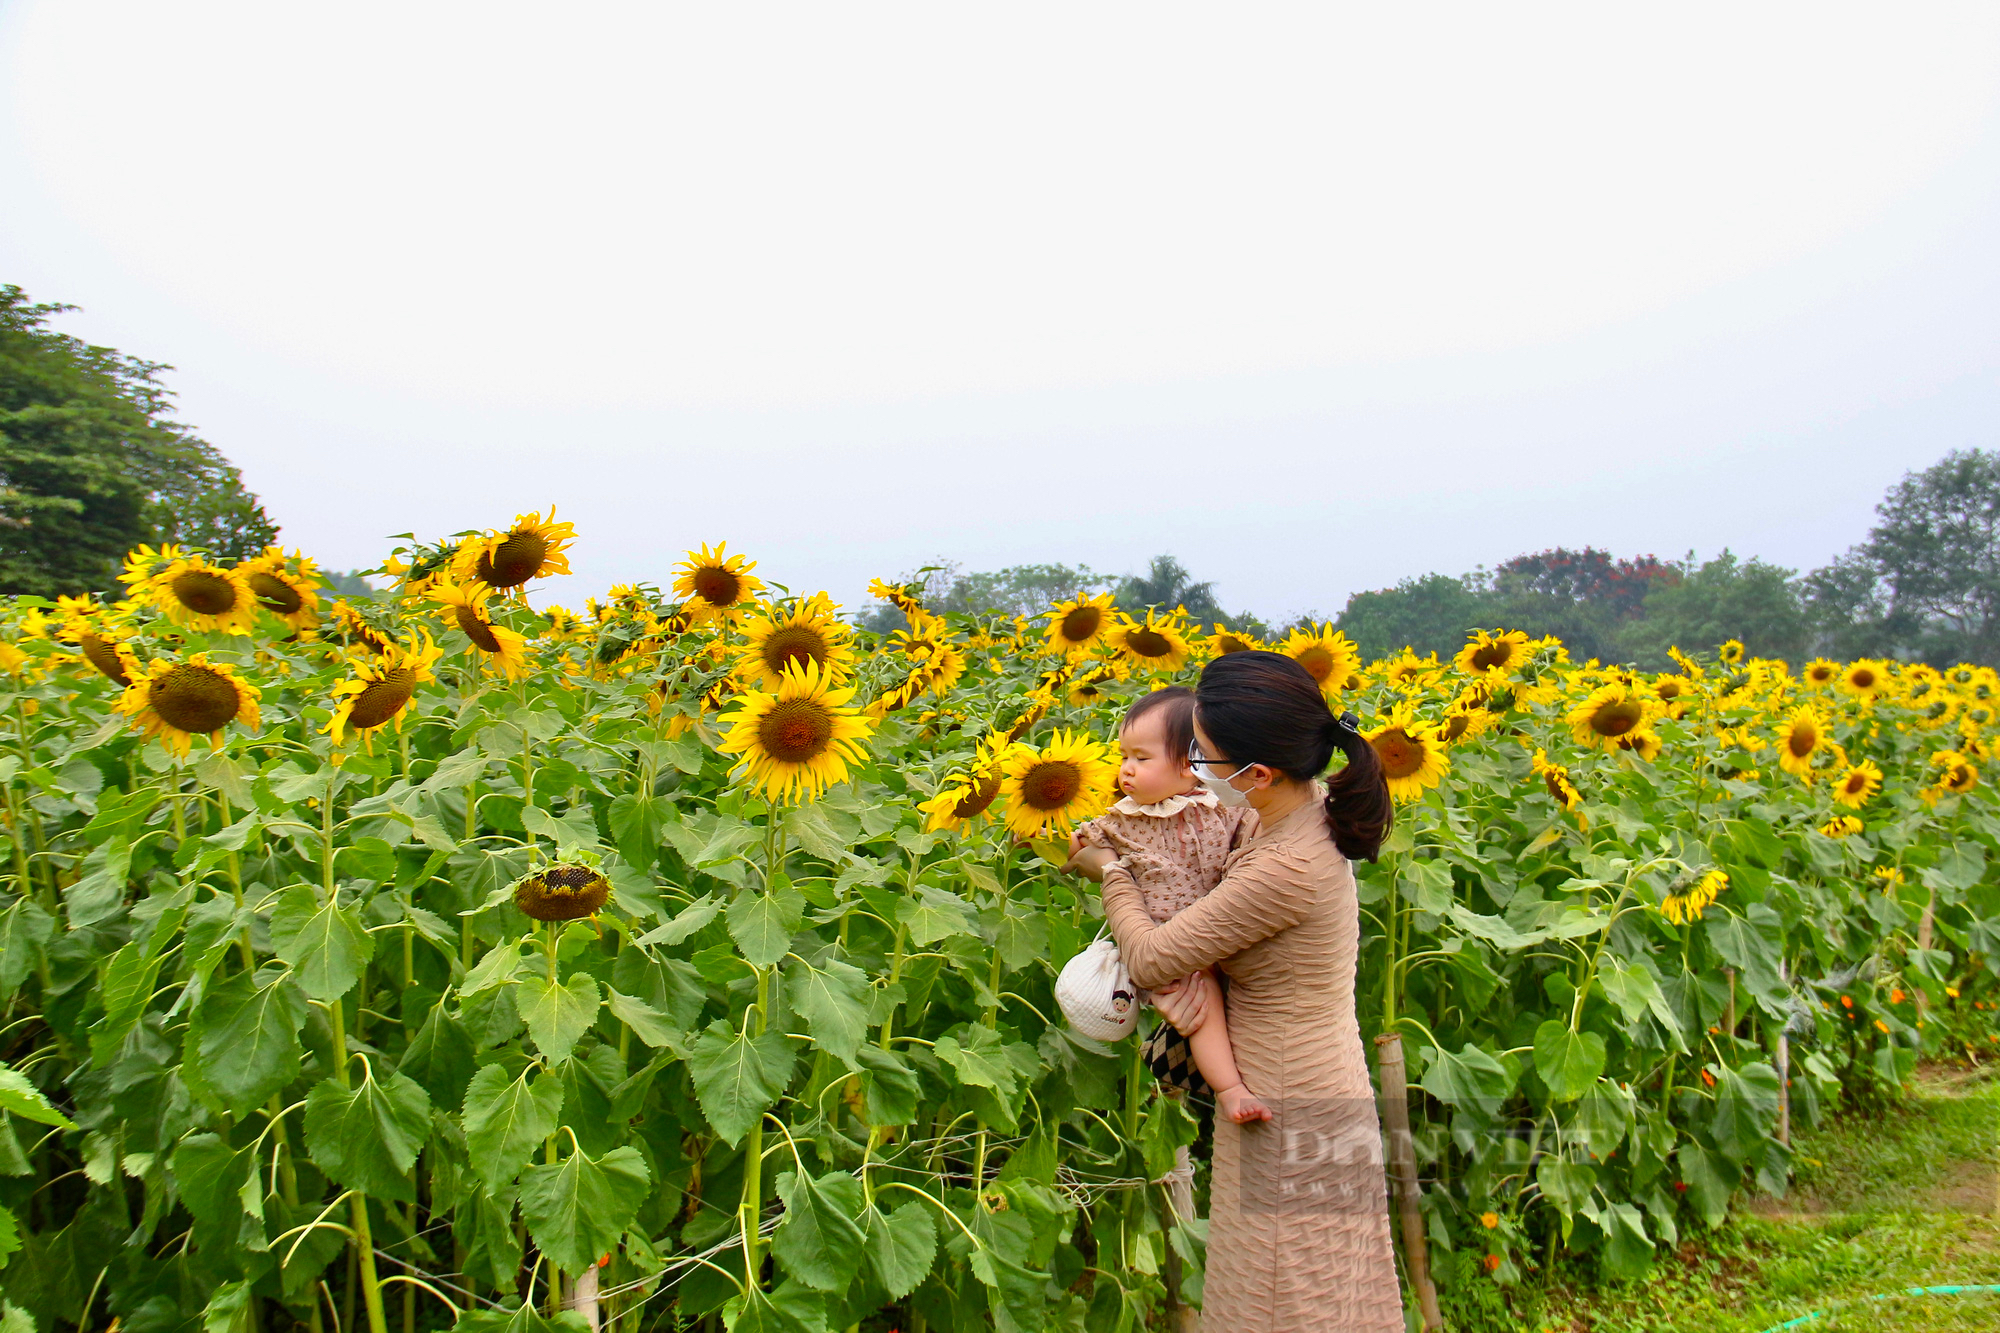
column 1347, row 722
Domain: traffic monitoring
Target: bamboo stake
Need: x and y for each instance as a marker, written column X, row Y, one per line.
column 1403, row 1170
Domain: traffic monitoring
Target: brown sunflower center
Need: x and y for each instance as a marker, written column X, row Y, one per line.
column 1803, row 740
column 975, row 801
column 1820, row 675
column 195, row 699
column 717, row 586
column 1455, row 726
column 1401, row 753
column 1081, row 623
column 1669, row 690
column 1856, row 784
column 274, row 594
column 100, row 654
column 1229, row 643
column 1148, row 643
column 1961, row 777
column 1318, row 662
column 204, row 592
column 1862, row 679
column 796, row 731
column 1488, row 656
column 477, row 629
column 383, row 699
column 794, row 646
column 1616, row 717
column 1051, row 784
column 514, row 561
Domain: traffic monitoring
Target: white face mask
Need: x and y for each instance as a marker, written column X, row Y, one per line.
column 1224, row 794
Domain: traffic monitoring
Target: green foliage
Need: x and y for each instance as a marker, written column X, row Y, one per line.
column 92, row 464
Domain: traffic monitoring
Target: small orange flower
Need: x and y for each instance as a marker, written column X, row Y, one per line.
column 1846, row 1003
column 1883, row 1026
column 1896, row 995
column 1492, row 1262
column 1489, row 1220
column 1707, row 1078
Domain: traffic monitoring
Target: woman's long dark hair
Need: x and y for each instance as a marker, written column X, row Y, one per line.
column 1264, row 708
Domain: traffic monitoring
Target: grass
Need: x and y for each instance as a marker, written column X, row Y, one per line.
column 1881, row 1203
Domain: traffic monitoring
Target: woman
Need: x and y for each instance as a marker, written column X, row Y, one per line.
column 1298, row 1218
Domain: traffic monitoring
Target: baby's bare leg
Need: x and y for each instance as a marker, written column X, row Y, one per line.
column 1209, row 1045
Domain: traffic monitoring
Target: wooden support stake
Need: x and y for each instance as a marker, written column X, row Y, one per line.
column 1403, row 1171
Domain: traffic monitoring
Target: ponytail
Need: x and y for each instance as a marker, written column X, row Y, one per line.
column 1264, row 708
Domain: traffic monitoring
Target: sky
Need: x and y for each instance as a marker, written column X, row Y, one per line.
column 1315, row 298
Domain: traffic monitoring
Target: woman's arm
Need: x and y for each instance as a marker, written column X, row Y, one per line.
column 1263, row 895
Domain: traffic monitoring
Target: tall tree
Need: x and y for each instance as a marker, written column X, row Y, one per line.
column 91, row 463
column 1430, row 614
column 1718, row 600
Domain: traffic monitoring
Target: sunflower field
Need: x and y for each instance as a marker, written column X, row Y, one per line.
column 432, row 960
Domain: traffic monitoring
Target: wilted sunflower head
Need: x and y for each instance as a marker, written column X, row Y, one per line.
column 562, row 892
column 531, row 549
column 715, row 582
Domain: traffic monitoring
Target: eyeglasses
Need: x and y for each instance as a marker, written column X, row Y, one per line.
column 1194, row 757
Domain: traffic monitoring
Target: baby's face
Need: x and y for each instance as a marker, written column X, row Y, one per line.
column 1149, row 773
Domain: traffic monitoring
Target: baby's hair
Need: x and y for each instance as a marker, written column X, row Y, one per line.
column 1175, row 705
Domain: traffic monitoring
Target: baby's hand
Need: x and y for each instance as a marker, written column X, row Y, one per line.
column 1240, row 1105
column 1076, row 839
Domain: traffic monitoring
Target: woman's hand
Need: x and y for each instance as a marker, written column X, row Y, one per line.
column 1089, row 861
column 1186, row 1003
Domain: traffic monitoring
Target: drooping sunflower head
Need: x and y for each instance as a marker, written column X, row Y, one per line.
column 1858, row 785
column 794, row 742
column 714, row 582
column 1493, row 656
column 1410, row 673
column 562, row 892
column 1076, row 626
column 1157, row 643
column 1688, row 901
column 1226, row 641
column 1864, row 679
column 379, row 689
column 1644, row 742
column 1464, row 719
column 1956, row 775
column 904, row 597
column 1414, row 757
column 1327, row 654
column 498, row 647
column 1556, row 780
column 1069, row 779
column 179, row 700
column 793, row 633
column 1800, row 737
column 1841, row 826
column 1609, row 715
column 192, row 591
column 531, row 549
column 356, row 628
column 970, row 794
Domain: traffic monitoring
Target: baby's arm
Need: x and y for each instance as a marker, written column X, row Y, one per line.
column 1208, row 1043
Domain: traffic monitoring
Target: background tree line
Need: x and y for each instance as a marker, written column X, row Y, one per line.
column 1924, row 585
column 92, row 463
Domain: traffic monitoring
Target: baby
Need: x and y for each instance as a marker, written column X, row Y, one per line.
column 1174, row 839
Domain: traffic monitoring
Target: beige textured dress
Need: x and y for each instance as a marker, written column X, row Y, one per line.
column 1298, row 1216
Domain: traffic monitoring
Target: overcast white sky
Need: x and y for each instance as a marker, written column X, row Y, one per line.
column 1316, row 298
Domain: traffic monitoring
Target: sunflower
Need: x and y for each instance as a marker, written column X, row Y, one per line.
column 1864, row 679
column 969, row 795
column 1608, row 715
column 1820, row 673
column 98, row 633
column 181, row 700
column 1075, row 626
column 1226, row 641
column 1051, row 789
column 1858, row 785
column 354, row 628
column 1466, row 717
column 792, row 633
column 1410, row 673
column 1154, row 644
column 1975, row 718
column 1556, row 778
column 1494, row 656
column 1940, row 710
column 1088, row 689
column 1672, row 694
column 191, row 591
column 1644, row 742
column 1956, row 776
column 378, row 691
column 498, row 646
column 531, row 549
column 902, row 597
column 562, row 892
column 285, row 585
column 1730, row 653
column 794, row 742
column 1891, row 877
column 1413, row 756
column 714, row 582
column 1328, row 655
column 1841, row 826
column 1799, row 738
column 1687, row 906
